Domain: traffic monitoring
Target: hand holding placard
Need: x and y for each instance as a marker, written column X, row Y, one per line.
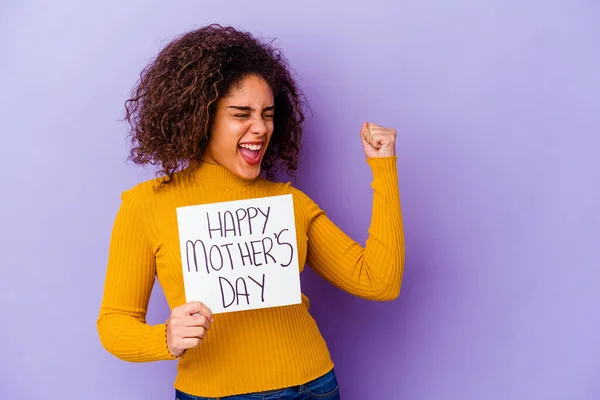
column 187, row 327
column 240, row 255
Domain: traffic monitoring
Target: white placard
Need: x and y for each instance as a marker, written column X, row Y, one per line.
column 240, row 255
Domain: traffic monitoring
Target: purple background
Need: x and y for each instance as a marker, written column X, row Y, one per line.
column 496, row 105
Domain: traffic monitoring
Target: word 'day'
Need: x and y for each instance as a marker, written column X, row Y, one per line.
column 240, row 255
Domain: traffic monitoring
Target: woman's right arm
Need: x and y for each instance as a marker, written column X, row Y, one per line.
column 128, row 284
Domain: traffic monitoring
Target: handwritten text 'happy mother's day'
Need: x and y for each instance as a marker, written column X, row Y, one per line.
column 240, row 255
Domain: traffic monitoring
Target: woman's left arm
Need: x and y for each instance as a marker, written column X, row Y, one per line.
column 374, row 271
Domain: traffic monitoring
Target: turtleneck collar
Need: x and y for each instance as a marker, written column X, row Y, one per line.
column 217, row 175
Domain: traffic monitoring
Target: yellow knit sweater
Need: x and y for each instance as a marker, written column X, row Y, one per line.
column 245, row 351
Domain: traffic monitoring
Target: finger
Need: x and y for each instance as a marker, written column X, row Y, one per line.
column 196, row 307
column 386, row 134
column 188, row 343
column 368, row 133
column 363, row 130
column 377, row 140
column 382, row 139
column 197, row 320
column 194, row 332
column 364, row 127
column 383, row 131
column 375, row 126
column 377, row 129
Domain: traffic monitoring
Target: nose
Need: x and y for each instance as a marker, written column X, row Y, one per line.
column 259, row 128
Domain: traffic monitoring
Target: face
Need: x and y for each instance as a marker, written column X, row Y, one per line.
column 242, row 128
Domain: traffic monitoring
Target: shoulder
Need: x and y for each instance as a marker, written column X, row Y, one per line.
column 142, row 195
column 303, row 204
column 278, row 188
column 152, row 189
column 141, row 191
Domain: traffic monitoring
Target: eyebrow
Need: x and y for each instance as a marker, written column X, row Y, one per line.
column 246, row 108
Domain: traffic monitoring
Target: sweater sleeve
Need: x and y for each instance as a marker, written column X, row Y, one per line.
column 374, row 271
column 128, row 284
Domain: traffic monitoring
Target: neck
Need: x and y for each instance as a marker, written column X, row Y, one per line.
column 216, row 175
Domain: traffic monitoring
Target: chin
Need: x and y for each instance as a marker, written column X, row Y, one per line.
column 249, row 172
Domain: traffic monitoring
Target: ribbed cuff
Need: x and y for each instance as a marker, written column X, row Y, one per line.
column 156, row 347
column 385, row 172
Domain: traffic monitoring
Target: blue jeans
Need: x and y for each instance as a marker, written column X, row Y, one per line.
column 324, row 388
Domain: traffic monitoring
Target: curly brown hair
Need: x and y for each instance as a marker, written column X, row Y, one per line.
column 172, row 106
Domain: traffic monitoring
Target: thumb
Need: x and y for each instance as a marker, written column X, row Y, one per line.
column 363, row 132
column 196, row 307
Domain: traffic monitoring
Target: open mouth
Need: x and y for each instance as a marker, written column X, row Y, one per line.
column 251, row 152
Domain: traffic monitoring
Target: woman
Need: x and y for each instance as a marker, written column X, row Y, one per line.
column 215, row 110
